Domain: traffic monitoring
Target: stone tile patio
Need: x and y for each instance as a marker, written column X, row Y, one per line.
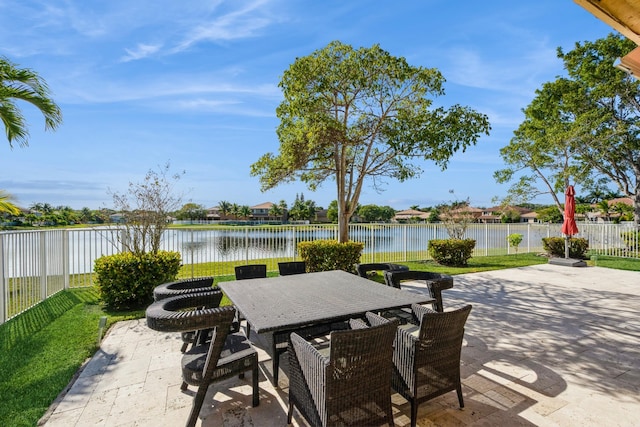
column 545, row 345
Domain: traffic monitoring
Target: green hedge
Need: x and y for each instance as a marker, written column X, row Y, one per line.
column 325, row 255
column 451, row 252
column 126, row 281
column 554, row 246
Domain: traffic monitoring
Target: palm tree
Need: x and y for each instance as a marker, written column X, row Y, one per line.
column 26, row 85
column 235, row 210
column 6, row 204
column 604, row 208
column 225, row 208
column 276, row 211
column 244, row 211
column 85, row 215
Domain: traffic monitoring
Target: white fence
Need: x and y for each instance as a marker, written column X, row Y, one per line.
column 37, row 264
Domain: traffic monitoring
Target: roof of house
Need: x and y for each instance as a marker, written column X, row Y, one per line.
column 265, row 205
column 624, row 200
column 411, row 213
column 529, row 215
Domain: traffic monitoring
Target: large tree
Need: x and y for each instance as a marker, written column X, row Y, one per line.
column 22, row 84
column 357, row 114
column 583, row 126
column 606, row 132
column 541, row 151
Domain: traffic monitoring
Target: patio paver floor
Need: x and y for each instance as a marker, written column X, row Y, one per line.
column 545, row 345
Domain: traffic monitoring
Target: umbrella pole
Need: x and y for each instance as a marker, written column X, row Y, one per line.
column 566, row 247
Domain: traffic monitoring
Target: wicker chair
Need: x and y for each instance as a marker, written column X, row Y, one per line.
column 364, row 269
column 436, row 283
column 292, row 267
column 347, row 383
column 184, row 287
column 217, row 354
column 427, row 358
column 249, row 271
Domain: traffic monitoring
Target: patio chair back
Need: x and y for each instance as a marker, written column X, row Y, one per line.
column 292, row 267
column 182, row 287
column 363, row 269
column 251, row 271
column 436, row 283
column 428, row 365
column 349, row 387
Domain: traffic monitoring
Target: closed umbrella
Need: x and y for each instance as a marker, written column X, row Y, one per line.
column 569, row 227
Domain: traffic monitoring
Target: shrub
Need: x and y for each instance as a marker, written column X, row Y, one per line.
column 514, row 240
column 126, row 280
column 554, row 246
column 325, row 255
column 451, row 252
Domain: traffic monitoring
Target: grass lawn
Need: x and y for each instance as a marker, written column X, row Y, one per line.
column 617, row 263
column 42, row 348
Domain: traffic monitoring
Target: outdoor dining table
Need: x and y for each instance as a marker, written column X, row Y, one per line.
column 287, row 302
column 284, row 304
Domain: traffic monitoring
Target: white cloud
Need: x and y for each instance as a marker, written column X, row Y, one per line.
column 141, row 51
column 237, row 24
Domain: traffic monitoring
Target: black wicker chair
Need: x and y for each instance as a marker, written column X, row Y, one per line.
column 216, row 355
column 292, row 267
column 349, row 382
column 249, row 271
column 427, row 358
column 364, row 269
column 184, row 287
column 435, row 282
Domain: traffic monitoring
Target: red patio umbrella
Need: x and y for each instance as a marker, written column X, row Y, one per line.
column 569, row 227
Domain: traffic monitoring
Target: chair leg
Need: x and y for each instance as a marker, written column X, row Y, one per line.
column 459, row 391
column 276, row 364
column 184, row 386
column 290, row 412
column 184, row 347
column 248, row 330
column 414, row 413
column 198, row 400
column 256, row 389
column 390, row 416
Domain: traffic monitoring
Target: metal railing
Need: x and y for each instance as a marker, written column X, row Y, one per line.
column 36, row 264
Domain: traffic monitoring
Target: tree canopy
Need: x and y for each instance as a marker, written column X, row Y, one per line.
column 22, row 84
column 351, row 115
column 582, row 127
column 7, row 204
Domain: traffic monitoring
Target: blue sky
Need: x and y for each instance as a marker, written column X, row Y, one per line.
column 195, row 83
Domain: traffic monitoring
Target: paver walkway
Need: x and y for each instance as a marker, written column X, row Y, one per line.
column 545, row 345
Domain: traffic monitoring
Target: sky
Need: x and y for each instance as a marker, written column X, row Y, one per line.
column 195, row 84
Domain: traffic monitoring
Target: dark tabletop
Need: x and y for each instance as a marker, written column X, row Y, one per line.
column 287, row 302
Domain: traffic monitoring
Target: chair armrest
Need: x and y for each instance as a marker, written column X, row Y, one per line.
column 375, row 320
column 313, row 370
column 404, row 351
column 357, row 324
column 420, row 310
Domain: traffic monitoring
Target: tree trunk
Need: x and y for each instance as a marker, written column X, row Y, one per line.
column 636, row 208
column 343, row 228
